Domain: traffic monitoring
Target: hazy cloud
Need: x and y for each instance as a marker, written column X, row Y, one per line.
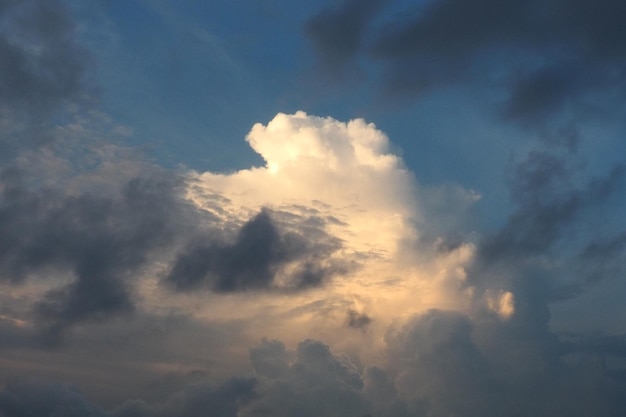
column 42, row 70
column 337, row 34
column 349, row 271
column 102, row 241
column 549, row 54
column 317, row 383
column 358, row 320
column 37, row 398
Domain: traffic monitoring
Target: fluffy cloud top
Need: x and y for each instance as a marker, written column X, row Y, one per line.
column 339, row 169
column 326, row 181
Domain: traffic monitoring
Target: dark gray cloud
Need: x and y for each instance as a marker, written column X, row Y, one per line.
column 358, row 320
column 317, row 383
column 537, row 253
column 337, row 34
column 546, row 252
column 256, row 257
column 439, row 363
column 548, row 53
column 225, row 399
column 442, row 363
column 42, row 71
column 147, row 356
column 609, row 345
column 549, row 201
column 100, row 240
column 437, row 367
column 270, row 359
column 37, row 398
column 604, row 258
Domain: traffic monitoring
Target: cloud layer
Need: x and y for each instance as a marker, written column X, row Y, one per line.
column 545, row 57
column 328, row 281
column 329, row 254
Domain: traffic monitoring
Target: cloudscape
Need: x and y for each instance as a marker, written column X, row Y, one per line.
column 372, row 208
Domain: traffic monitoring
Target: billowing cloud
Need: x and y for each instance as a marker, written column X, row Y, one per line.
column 332, row 256
column 338, row 211
column 259, row 258
column 435, row 364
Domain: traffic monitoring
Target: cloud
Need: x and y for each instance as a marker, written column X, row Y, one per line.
column 332, row 234
column 259, row 258
column 316, row 383
column 437, row 366
column 337, row 34
column 436, row 363
column 604, row 258
column 336, row 208
column 94, row 235
column 339, row 174
column 358, row 320
column 366, row 298
column 317, row 240
column 23, row 398
column 547, row 55
column 43, row 70
column 100, row 240
column 225, row 400
column 32, row 397
column 551, row 203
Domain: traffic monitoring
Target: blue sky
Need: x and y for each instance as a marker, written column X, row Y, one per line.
column 199, row 75
column 340, row 208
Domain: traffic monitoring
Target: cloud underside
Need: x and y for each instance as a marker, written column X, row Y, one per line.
column 438, row 363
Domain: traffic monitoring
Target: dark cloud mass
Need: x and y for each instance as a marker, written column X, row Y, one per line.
column 548, row 53
column 37, row 398
column 539, row 252
column 538, row 244
column 100, row 240
column 358, row 320
column 337, row 34
column 42, row 70
column 438, row 364
column 257, row 256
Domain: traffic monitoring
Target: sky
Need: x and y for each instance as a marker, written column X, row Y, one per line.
column 368, row 208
